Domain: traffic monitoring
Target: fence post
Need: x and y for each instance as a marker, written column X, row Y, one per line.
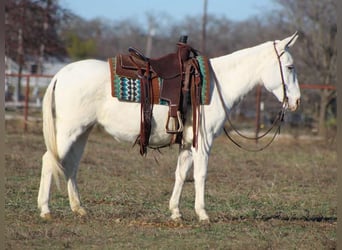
column 26, row 106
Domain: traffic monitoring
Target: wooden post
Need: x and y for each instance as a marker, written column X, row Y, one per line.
column 26, row 106
column 204, row 27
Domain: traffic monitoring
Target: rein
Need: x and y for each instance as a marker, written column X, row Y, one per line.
column 277, row 122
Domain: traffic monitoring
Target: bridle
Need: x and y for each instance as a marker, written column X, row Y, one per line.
column 285, row 98
column 276, row 123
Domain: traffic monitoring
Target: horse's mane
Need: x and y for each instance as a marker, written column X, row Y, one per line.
column 237, row 55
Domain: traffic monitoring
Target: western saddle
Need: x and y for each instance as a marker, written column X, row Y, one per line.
column 180, row 78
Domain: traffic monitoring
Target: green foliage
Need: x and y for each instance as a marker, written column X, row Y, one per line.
column 79, row 48
column 331, row 122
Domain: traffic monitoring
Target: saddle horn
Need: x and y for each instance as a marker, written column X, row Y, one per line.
column 183, row 39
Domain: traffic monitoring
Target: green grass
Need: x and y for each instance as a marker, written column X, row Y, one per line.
column 281, row 198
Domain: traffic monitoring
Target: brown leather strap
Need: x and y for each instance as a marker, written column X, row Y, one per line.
column 196, row 101
column 145, row 110
column 192, row 88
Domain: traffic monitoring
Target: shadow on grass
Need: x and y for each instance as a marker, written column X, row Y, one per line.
column 227, row 218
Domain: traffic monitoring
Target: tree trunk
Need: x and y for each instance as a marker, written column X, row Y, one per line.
column 326, row 97
column 322, row 129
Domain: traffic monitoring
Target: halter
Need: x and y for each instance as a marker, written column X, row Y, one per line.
column 277, row 122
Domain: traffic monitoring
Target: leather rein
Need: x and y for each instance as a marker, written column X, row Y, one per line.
column 276, row 123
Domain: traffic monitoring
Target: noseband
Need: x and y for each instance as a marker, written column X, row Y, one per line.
column 276, row 123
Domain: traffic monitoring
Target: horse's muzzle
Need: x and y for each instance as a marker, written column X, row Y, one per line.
column 295, row 106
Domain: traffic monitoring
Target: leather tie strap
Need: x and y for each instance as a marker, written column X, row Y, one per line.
column 192, row 84
column 145, row 107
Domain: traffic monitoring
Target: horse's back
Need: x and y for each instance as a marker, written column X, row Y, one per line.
column 83, row 72
column 86, row 77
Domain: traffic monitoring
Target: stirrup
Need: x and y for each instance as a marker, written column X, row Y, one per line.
column 174, row 125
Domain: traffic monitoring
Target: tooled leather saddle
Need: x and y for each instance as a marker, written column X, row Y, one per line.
column 174, row 79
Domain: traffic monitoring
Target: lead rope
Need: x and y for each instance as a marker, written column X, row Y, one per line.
column 279, row 119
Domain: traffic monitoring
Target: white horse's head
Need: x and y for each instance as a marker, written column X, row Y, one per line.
column 279, row 75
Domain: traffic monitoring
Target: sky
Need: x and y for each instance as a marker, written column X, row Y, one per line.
column 173, row 9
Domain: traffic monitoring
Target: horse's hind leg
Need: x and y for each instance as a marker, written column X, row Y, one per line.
column 70, row 155
column 45, row 184
column 71, row 162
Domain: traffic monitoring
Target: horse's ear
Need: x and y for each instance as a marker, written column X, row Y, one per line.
column 292, row 40
column 289, row 41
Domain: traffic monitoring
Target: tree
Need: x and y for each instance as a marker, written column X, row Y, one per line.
column 29, row 24
column 317, row 23
column 31, row 32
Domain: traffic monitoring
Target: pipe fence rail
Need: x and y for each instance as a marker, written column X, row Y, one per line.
column 25, row 92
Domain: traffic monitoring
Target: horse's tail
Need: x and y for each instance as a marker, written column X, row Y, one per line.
column 49, row 131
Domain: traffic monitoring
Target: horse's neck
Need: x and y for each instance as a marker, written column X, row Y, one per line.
column 237, row 73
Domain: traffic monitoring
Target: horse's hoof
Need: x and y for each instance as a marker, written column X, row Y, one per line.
column 46, row 216
column 205, row 222
column 177, row 219
column 80, row 211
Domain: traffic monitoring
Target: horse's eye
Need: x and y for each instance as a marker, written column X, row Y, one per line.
column 290, row 67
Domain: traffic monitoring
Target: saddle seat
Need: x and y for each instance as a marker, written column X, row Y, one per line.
column 166, row 67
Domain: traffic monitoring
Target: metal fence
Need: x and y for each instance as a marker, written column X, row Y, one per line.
column 24, row 94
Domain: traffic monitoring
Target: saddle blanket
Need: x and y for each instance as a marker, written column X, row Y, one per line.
column 127, row 88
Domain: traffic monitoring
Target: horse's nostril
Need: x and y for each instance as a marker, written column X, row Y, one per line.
column 298, row 102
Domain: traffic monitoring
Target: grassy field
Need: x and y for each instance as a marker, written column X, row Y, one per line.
column 281, row 198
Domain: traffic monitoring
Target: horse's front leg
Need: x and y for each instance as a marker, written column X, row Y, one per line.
column 183, row 165
column 200, row 175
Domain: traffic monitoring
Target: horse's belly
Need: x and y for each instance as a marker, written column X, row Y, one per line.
column 122, row 121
